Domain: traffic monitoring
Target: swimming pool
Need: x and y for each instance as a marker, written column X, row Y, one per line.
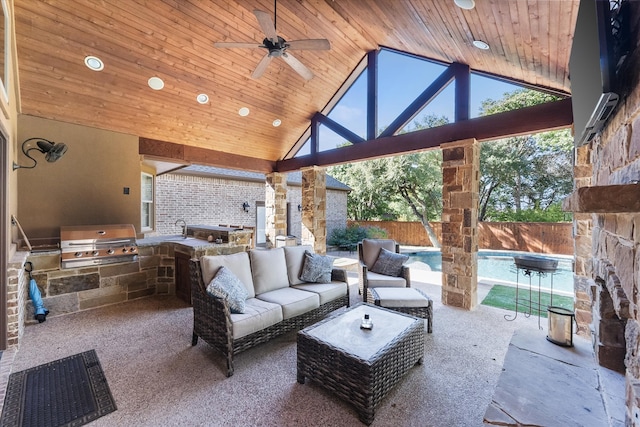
column 500, row 266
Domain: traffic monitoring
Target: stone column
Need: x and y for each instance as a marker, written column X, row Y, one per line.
column 314, row 205
column 275, row 204
column 460, row 178
column 583, row 282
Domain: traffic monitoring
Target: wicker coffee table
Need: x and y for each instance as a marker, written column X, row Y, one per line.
column 360, row 366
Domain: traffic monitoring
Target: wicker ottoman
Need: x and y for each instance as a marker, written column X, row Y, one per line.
column 405, row 300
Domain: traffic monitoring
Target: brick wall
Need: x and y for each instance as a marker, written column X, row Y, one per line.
column 213, row 201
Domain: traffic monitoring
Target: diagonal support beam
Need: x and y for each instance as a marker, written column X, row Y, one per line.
column 424, row 98
column 524, row 121
column 319, row 118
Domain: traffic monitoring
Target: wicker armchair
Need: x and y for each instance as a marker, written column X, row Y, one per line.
column 368, row 251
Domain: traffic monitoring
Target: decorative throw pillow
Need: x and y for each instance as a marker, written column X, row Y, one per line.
column 316, row 268
column 389, row 263
column 226, row 285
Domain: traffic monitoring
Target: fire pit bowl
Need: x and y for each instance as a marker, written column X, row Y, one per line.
column 536, row 263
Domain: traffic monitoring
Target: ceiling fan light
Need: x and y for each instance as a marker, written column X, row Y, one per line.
column 244, row 111
column 480, row 44
column 155, row 83
column 276, row 123
column 94, row 63
column 465, row 4
column 202, row 98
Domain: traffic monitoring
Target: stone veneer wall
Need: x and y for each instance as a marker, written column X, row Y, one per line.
column 77, row 289
column 275, row 207
column 18, row 279
column 460, row 178
column 607, row 248
column 314, row 211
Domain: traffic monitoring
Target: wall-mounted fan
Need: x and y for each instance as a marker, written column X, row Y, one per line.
column 278, row 47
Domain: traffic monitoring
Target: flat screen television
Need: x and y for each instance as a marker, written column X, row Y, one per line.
column 592, row 68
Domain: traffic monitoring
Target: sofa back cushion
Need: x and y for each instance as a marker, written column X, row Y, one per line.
column 371, row 249
column 294, row 256
column 269, row 269
column 238, row 264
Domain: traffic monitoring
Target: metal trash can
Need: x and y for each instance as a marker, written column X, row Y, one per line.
column 560, row 326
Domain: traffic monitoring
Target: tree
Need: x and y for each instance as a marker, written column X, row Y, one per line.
column 407, row 187
column 526, row 172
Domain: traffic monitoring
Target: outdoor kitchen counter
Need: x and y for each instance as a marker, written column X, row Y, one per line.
column 190, row 242
column 176, row 251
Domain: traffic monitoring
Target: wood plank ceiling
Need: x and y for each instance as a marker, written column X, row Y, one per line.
column 529, row 41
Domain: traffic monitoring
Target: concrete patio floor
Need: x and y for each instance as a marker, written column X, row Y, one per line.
column 157, row 377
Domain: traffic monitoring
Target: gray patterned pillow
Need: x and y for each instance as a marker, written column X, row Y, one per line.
column 389, row 263
column 226, row 285
column 316, row 268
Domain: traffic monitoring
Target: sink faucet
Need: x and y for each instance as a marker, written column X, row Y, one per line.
column 184, row 227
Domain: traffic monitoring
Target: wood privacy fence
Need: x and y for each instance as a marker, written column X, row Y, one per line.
column 540, row 237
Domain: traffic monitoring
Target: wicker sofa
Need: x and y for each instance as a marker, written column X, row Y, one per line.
column 278, row 301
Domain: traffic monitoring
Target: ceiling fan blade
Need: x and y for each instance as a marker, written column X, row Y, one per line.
column 261, row 67
column 309, row 44
column 236, row 45
column 297, row 66
column 269, row 30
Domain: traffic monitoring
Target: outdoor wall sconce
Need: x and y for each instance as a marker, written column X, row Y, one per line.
column 245, row 207
column 299, row 208
column 51, row 151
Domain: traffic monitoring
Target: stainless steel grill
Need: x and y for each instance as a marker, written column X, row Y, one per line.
column 85, row 245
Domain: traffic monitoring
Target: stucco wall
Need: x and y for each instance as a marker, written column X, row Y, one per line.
column 85, row 186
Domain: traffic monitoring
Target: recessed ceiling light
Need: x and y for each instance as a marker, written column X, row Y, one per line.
column 244, row 111
column 276, row 123
column 94, row 63
column 202, row 98
column 480, row 44
column 156, row 83
column 465, row 4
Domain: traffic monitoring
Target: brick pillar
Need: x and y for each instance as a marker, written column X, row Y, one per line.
column 314, row 208
column 275, row 203
column 460, row 178
column 583, row 283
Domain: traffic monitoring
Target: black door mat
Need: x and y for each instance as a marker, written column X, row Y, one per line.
column 67, row 392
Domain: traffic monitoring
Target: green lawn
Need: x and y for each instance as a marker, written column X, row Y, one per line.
column 505, row 297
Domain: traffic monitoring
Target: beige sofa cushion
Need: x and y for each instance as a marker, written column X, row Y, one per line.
column 326, row 291
column 295, row 261
column 293, row 301
column 258, row 314
column 269, row 270
column 375, row 280
column 238, row 264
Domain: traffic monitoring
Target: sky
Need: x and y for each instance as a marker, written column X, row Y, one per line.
column 401, row 78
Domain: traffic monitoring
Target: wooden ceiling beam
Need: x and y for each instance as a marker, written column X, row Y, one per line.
column 524, row 121
column 169, row 151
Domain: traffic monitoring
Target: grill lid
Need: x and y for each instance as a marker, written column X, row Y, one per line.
column 96, row 233
column 97, row 244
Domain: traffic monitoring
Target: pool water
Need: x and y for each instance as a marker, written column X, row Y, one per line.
column 501, row 266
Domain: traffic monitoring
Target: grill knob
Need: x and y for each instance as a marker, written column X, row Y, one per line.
column 133, row 249
column 124, row 250
column 78, row 254
column 110, row 251
column 95, row 253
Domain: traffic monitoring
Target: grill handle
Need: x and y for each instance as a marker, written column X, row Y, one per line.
column 110, row 242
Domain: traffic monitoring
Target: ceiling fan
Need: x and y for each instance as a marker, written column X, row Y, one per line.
column 278, row 47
